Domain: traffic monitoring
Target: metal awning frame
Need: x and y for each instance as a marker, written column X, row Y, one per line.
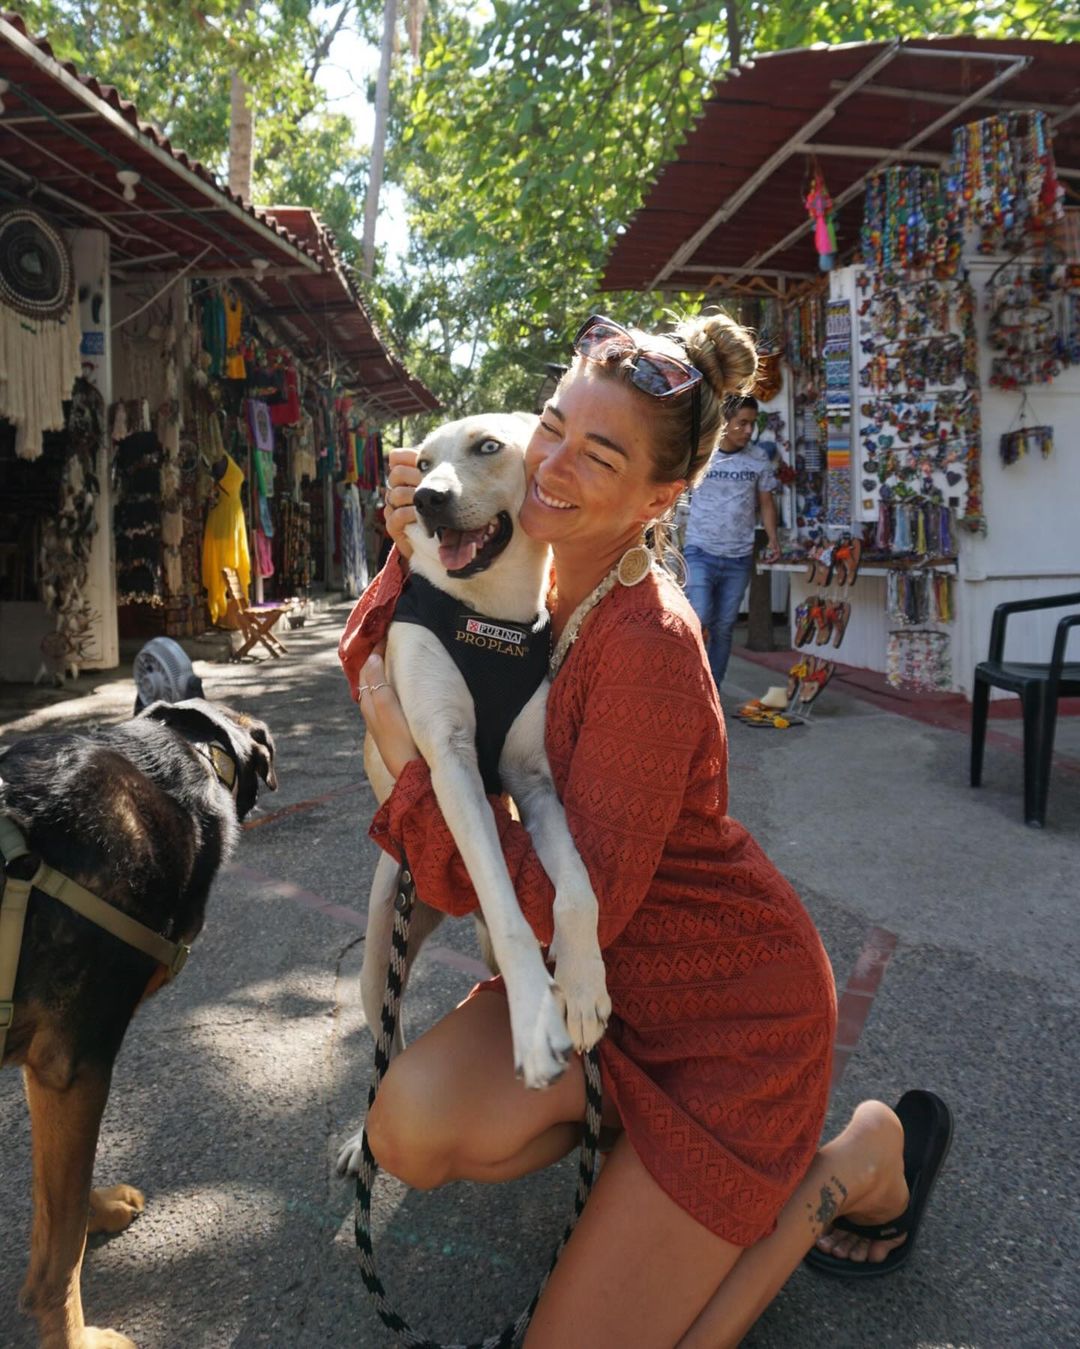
column 801, row 143
column 146, row 145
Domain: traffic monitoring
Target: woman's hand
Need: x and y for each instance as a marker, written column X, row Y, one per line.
column 383, row 716
column 402, row 481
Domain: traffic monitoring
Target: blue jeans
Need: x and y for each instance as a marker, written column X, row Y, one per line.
column 714, row 587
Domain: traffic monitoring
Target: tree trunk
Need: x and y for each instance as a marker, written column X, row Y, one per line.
column 734, row 32
column 378, row 144
column 241, row 127
column 241, row 136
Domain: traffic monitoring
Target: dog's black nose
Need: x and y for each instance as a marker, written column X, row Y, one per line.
column 429, row 501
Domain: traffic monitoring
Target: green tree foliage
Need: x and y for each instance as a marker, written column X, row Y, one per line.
column 529, row 137
column 173, row 59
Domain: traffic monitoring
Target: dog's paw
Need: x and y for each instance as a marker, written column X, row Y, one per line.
column 114, row 1209
column 90, row 1337
column 351, row 1155
column 542, row 1045
column 583, row 985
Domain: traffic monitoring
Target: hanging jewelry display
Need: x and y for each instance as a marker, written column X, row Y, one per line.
column 919, row 657
column 919, row 597
column 911, row 222
column 920, row 426
column 805, row 331
column 838, row 413
column 1022, row 440
column 1034, row 324
column 1003, row 174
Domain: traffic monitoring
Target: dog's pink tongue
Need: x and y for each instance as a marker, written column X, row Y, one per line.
column 458, row 547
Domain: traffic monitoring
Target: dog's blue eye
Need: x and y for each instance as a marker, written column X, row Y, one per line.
column 489, row 447
column 423, row 465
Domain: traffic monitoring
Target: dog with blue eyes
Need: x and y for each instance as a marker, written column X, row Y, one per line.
column 467, row 655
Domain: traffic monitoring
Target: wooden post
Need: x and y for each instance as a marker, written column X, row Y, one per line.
column 759, row 624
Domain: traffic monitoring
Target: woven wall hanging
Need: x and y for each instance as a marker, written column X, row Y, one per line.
column 39, row 327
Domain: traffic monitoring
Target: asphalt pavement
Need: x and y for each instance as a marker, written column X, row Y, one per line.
column 237, row 1084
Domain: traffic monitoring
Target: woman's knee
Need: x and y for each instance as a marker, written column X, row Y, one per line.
column 405, row 1133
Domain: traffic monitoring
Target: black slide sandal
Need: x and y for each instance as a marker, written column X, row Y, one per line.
column 928, row 1130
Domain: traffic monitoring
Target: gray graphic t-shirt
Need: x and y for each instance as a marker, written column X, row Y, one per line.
column 723, row 507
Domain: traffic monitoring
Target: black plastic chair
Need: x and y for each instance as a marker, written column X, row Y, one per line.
column 1039, row 687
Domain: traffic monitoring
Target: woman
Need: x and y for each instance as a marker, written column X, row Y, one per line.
column 733, row 487
column 716, row 1062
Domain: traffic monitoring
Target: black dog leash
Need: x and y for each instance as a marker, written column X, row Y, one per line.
column 395, row 979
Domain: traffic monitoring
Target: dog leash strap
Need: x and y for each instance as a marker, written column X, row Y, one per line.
column 514, row 1333
column 172, row 954
column 14, row 897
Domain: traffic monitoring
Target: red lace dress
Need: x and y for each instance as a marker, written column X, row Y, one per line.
column 718, row 1053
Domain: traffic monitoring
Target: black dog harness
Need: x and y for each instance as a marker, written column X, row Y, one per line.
column 503, row 664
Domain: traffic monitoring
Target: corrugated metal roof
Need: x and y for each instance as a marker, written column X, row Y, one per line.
column 63, row 138
column 768, row 105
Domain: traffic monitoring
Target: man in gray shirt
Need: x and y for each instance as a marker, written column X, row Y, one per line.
column 719, row 547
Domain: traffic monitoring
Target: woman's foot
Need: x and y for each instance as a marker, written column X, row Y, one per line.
column 873, row 1143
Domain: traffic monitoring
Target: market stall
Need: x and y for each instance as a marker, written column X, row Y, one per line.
column 927, row 270
column 183, row 311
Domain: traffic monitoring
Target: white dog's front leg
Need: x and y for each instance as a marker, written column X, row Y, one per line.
column 575, row 947
column 541, row 1043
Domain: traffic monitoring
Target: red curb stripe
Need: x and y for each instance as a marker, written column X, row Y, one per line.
column 272, row 816
column 356, row 918
column 855, row 1002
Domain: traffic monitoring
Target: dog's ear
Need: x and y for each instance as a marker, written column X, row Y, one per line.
column 194, row 719
column 263, row 752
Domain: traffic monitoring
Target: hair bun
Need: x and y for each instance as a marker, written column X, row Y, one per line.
column 722, row 350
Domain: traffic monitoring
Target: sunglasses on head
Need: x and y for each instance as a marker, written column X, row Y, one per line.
column 654, row 373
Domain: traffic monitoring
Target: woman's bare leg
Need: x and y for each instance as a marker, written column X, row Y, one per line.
column 859, row 1174
column 450, row 1107
column 640, row 1273
column 636, row 1271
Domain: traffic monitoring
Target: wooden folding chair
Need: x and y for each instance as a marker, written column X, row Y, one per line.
column 254, row 622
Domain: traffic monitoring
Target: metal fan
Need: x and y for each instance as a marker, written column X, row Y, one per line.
column 163, row 673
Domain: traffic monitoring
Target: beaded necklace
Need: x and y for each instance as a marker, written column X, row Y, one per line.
column 634, row 565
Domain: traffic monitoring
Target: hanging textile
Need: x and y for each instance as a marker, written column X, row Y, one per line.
column 235, row 367
column 264, row 555
column 67, row 537
column 137, row 519
column 353, row 562
column 225, row 541
column 39, row 361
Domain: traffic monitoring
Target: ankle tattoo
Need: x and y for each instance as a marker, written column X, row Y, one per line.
column 829, row 1205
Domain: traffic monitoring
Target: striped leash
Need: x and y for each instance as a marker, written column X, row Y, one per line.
column 513, row 1333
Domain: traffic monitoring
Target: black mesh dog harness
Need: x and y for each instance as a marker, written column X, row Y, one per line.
column 502, row 663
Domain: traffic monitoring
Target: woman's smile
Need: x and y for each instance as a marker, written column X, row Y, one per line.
column 552, row 502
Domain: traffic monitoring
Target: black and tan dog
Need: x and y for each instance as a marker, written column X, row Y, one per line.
column 143, row 815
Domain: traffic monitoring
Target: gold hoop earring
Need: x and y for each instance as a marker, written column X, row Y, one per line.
column 634, row 565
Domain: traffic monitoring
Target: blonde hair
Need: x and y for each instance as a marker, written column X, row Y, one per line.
column 724, row 352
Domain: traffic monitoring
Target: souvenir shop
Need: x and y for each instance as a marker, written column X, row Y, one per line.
column 930, row 382
column 186, row 383
column 915, row 284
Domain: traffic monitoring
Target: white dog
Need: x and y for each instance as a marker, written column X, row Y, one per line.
column 486, row 582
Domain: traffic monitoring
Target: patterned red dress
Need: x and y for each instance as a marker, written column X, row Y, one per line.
column 719, row 1049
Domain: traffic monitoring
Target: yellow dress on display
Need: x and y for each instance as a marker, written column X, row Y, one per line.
column 235, row 365
column 225, row 541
